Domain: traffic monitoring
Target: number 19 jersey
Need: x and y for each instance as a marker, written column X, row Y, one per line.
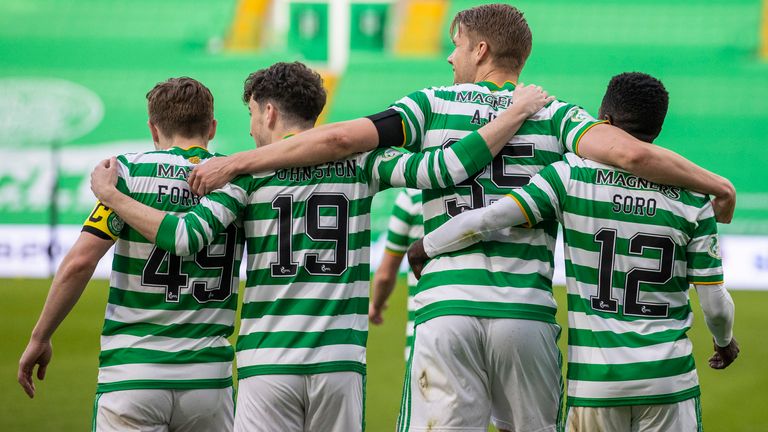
column 632, row 247
column 168, row 317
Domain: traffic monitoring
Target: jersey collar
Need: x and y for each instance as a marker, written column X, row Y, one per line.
column 492, row 86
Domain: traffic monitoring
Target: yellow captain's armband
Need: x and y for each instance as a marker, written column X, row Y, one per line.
column 103, row 223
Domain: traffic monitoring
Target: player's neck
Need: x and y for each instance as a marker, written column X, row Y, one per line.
column 496, row 75
column 182, row 143
column 283, row 133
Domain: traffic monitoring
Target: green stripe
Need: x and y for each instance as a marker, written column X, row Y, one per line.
column 165, row 384
column 95, row 411
column 609, row 339
column 192, row 331
column 301, row 369
column 121, row 356
column 484, row 278
column 153, row 301
column 263, row 277
column 589, row 275
column 578, row 304
column 313, row 307
column 670, row 398
column 486, row 310
column 295, row 339
column 631, row 371
column 301, row 242
column 258, row 211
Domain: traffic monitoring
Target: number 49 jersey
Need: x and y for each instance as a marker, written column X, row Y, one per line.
column 168, row 317
column 632, row 247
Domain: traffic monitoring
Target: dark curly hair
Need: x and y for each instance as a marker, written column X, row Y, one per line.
column 181, row 106
column 295, row 89
column 637, row 103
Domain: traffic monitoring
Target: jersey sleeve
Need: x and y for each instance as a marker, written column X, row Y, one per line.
column 571, row 123
column 400, row 222
column 705, row 265
column 199, row 227
column 103, row 222
column 542, row 199
column 416, row 113
column 430, row 169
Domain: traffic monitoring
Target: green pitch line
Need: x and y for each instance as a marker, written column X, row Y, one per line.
column 733, row 400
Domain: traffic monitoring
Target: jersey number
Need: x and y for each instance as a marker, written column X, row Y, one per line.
column 173, row 279
column 499, row 177
column 333, row 203
column 604, row 301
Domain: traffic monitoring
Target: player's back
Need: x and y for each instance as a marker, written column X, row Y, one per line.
column 168, row 317
column 632, row 247
column 305, row 305
column 508, row 276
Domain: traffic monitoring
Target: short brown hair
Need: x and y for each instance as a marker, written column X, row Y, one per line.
column 181, row 106
column 502, row 27
column 295, row 89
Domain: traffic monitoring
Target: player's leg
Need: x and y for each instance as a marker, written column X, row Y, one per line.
column 599, row 419
column 335, row 402
column 133, row 410
column 524, row 371
column 268, row 403
column 203, row 410
column 683, row 416
column 446, row 383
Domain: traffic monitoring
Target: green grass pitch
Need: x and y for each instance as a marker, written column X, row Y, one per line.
column 733, row 400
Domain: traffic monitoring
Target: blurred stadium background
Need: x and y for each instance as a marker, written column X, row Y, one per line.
column 73, row 75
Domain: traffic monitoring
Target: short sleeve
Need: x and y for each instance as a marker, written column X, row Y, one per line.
column 572, row 123
column 400, row 222
column 705, row 265
column 416, row 112
column 542, row 199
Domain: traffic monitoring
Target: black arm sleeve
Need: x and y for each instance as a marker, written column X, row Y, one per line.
column 390, row 128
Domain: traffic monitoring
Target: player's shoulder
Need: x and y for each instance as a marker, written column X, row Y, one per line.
column 413, row 194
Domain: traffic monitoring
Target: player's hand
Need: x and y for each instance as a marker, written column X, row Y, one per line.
column 211, row 175
column 530, row 98
column 375, row 314
column 417, row 257
column 725, row 204
column 104, row 179
column 724, row 356
column 36, row 353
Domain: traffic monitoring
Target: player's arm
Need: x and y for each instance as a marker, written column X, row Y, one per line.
column 446, row 167
column 332, row 142
column 180, row 236
column 610, row 145
column 383, row 285
column 71, row 278
column 719, row 310
column 539, row 200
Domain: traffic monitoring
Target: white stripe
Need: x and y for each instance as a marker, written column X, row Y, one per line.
column 158, row 371
column 303, row 323
column 168, row 317
column 293, row 356
column 622, row 389
column 580, row 320
column 585, row 291
column 307, row 290
column 483, row 262
column 623, row 263
column 481, row 293
column 132, row 283
column 266, row 227
column 624, row 229
column 355, row 257
column 622, row 355
column 160, row 343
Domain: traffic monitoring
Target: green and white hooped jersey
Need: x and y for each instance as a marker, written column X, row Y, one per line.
column 168, row 317
column 406, row 225
column 305, row 305
column 510, row 275
column 632, row 247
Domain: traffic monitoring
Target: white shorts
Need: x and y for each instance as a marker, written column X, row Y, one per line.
column 683, row 416
column 202, row 410
column 328, row 402
column 466, row 372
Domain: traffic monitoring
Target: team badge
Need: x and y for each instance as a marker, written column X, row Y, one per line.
column 714, row 247
column 579, row 115
column 115, row 224
column 194, row 160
